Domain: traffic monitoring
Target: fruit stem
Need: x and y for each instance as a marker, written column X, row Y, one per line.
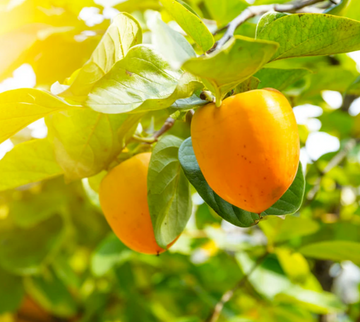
column 218, row 102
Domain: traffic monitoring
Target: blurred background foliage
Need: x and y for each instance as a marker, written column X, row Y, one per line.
column 59, row 261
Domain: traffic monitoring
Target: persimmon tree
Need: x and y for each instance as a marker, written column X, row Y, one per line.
column 122, row 100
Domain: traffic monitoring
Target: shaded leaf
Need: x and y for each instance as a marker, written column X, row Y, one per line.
column 240, row 58
column 354, row 88
column 275, row 286
column 309, row 34
column 289, row 203
column 28, row 162
column 24, row 251
column 190, row 22
column 317, row 302
column 278, row 78
column 279, row 230
column 107, row 255
column 169, row 194
column 336, row 250
column 189, row 103
column 20, row 107
column 142, row 81
column 51, row 293
column 247, row 85
column 32, row 208
column 11, row 292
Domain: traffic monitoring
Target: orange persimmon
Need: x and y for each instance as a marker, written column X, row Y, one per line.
column 123, row 199
column 248, row 148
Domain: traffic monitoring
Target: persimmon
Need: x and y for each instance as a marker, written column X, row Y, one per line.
column 248, row 148
column 123, row 199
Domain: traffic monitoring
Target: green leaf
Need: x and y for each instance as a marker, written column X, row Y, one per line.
column 24, row 251
column 294, row 264
column 50, row 292
column 28, row 162
column 338, row 9
column 171, row 44
column 11, row 292
column 34, row 208
column 289, row 203
column 123, row 33
column 346, row 8
column 309, row 34
column 317, row 302
column 189, row 103
column 279, row 230
column 336, row 250
column 142, row 81
column 107, row 255
column 247, row 85
column 279, row 78
column 20, row 107
column 191, row 23
column 85, row 141
column 240, row 58
column 354, row 88
column 169, row 194
column 225, row 11
column 334, row 78
column 277, row 287
column 136, row 5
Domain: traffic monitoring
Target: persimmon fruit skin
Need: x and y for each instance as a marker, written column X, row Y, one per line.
column 248, row 148
column 123, row 199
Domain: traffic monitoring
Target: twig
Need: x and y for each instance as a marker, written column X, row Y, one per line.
column 336, row 160
column 230, row 293
column 168, row 124
column 253, row 11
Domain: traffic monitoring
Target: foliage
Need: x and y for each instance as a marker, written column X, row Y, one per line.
column 104, row 88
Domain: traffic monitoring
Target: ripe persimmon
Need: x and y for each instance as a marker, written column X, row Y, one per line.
column 248, row 148
column 123, row 199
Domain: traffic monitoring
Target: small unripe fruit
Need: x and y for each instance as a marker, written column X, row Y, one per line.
column 248, row 148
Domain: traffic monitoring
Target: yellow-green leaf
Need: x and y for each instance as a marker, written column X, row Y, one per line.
column 20, row 107
column 309, row 34
column 190, row 22
column 239, row 59
column 86, row 142
column 28, row 162
column 123, row 33
column 336, row 250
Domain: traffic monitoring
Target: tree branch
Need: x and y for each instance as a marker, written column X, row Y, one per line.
column 230, row 293
column 169, row 123
column 253, row 11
